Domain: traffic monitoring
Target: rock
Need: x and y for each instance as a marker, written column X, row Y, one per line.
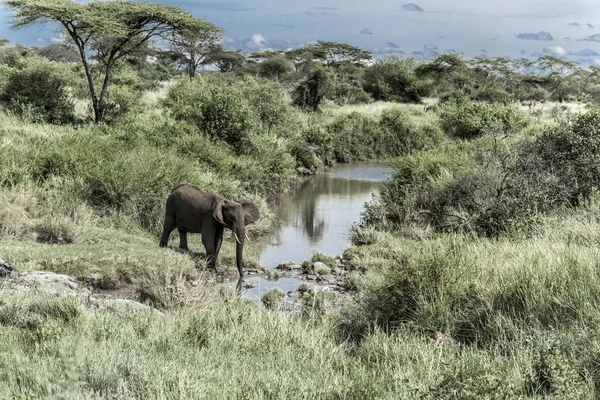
column 320, row 265
column 336, row 271
column 130, row 304
column 47, row 282
column 289, row 267
column 327, row 278
column 5, row 269
column 311, row 277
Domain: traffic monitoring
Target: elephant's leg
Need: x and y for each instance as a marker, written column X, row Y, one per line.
column 183, row 240
column 168, row 227
column 208, row 240
column 218, row 243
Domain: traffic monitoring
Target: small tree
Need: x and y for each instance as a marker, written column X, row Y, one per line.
column 275, row 67
column 227, row 61
column 309, row 93
column 59, row 52
column 196, row 45
column 109, row 30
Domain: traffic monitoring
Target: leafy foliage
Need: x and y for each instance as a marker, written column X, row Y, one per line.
column 40, row 92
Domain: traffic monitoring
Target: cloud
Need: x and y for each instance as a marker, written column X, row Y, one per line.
column 593, row 38
column 389, row 49
column 412, row 7
column 258, row 42
column 56, row 40
column 555, row 51
column 366, row 31
column 577, row 24
column 590, row 26
column 537, row 54
column 586, row 53
column 483, row 50
column 284, row 26
column 418, row 54
column 428, row 48
column 541, row 35
column 523, row 52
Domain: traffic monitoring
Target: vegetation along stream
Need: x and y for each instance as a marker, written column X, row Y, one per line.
column 318, row 217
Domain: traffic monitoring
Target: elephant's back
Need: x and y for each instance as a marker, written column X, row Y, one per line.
column 190, row 206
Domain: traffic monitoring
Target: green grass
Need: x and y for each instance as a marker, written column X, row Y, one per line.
column 437, row 315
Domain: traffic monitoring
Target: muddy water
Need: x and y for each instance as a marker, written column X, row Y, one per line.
column 318, row 217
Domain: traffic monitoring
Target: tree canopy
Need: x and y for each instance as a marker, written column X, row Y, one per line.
column 108, row 30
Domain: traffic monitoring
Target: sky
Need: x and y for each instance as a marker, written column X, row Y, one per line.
column 513, row 28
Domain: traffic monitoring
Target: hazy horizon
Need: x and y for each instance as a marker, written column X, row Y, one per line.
column 512, row 28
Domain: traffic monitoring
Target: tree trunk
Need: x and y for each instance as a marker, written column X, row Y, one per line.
column 101, row 103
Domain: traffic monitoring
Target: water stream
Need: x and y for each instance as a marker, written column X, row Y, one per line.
column 318, row 217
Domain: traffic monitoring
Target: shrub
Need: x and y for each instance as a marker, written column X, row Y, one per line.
column 485, row 188
column 40, row 92
column 467, row 119
column 309, row 93
column 570, row 154
column 359, row 137
column 272, row 299
column 275, row 67
column 232, row 113
column 120, row 101
column 394, row 79
column 220, row 112
column 354, row 137
column 399, row 134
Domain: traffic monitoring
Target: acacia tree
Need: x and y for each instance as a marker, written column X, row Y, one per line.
column 107, row 31
column 227, row 61
column 196, row 45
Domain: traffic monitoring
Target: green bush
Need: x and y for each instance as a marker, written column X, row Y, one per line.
column 570, row 153
column 395, row 79
column 121, row 100
column 309, row 93
column 272, row 299
column 467, row 119
column 232, row 113
column 358, row 137
column 483, row 188
column 219, row 111
column 353, row 137
column 40, row 92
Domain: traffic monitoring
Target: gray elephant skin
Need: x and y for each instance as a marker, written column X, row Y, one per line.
column 191, row 210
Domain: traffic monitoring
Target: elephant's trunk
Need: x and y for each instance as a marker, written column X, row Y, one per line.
column 240, row 234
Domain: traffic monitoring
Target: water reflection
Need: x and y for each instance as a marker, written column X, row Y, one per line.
column 318, row 217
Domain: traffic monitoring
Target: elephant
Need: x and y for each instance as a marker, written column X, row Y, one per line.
column 191, row 210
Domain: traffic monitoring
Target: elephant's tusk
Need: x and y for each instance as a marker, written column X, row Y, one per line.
column 247, row 238
column 236, row 238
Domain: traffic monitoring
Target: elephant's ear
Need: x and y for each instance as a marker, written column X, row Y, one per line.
column 218, row 213
column 251, row 213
